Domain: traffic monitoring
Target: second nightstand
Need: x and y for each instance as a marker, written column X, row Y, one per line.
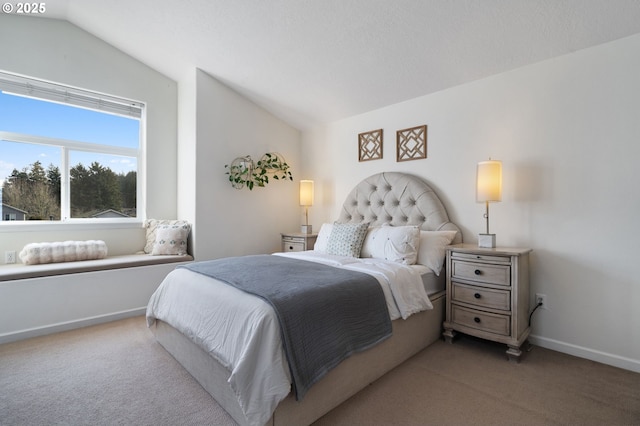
column 488, row 295
column 296, row 241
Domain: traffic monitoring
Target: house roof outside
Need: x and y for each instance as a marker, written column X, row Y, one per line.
column 11, row 213
column 7, row 206
column 109, row 213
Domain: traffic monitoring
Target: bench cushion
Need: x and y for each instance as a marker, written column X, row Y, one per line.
column 22, row 271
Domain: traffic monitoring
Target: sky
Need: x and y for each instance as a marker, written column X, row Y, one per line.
column 41, row 118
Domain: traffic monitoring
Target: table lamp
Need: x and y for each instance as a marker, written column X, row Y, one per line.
column 488, row 190
column 306, row 200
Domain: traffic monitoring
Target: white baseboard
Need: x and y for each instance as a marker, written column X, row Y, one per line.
column 70, row 325
column 591, row 354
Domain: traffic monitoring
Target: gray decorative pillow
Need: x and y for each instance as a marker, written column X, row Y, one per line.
column 171, row 239
column 346, row 239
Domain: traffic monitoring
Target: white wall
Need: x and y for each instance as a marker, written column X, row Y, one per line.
column 567, row 132
column 187, row 153
column 38, row 306
column 60, row 52
column 228, row 221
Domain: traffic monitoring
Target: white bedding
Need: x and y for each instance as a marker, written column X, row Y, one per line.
column 241, row 331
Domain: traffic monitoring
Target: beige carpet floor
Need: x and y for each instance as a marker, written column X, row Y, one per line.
column 115, row 374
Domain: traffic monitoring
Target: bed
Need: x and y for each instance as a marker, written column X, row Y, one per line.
column 386, row 202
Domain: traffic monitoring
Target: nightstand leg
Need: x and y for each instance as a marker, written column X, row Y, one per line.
column 514, row 353
column 448, row 335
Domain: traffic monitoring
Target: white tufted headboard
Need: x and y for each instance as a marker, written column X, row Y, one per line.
column 397, row 199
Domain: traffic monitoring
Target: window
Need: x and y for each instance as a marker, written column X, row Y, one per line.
column 68, row 154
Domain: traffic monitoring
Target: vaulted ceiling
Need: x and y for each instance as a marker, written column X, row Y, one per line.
column 315, row 61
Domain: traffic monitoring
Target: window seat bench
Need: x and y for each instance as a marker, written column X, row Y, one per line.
column 20, row 271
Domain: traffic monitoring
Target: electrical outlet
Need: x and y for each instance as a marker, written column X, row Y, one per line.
column 542, row 298
column 9, row 257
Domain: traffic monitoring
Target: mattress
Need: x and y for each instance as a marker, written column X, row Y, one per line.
column 432, row 283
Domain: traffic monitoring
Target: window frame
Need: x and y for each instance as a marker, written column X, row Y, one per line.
column 92, row 101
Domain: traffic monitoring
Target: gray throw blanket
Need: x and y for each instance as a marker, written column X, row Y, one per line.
column 325, row 313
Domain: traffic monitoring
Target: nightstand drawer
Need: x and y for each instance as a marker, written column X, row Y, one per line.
column 482, row 297
column 481, row 257
column 485, row 321
column 297, row 241
column 481, row 272
column 292, row 244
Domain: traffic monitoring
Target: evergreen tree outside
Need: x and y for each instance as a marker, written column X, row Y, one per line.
column 55, row 182
column 93, row 190
column 29, row 190
column 128, row 189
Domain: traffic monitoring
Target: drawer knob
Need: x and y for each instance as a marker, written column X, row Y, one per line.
column 477, row 272
column 290, row 247
column 477, row 295
column 476, row 319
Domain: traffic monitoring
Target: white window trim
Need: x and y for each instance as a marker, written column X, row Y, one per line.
column 43, row 90
column 19, row 226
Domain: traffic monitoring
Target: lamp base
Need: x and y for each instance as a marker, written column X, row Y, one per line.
column 306, row 229
column 487, row 240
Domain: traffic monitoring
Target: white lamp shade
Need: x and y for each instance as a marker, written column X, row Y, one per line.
column 306, row 192
column 489, row 181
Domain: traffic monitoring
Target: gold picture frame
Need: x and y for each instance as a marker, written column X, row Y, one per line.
column 411, row 143
column 370, row 145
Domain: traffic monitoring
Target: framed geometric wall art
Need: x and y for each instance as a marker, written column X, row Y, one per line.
column 411, row 144
column 370, row 145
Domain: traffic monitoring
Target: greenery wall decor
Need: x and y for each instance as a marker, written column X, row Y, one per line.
column 244, row 172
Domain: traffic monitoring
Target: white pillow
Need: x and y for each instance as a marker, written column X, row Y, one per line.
column 432, row 248
column 346, row 239
column 171, row 239
column 67, row 251
column 151, row 225
column 394, row 243
column 323, row 238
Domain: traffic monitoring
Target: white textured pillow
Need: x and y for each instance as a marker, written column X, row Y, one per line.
column 432, row 248
column 66, row 251
column 323, row 238
column 394, row 243
column 151, row 226
column 171, row 239
column 346, row 239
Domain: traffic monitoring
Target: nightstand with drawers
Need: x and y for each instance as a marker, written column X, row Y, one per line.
column 297, row 241
column 488, row 295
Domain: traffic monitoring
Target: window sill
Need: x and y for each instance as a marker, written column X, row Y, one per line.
column 76, row 225
column 21, row 271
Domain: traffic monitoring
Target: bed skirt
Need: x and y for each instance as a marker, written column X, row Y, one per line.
column 355, row 373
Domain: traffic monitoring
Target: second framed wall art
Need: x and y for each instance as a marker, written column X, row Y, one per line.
column 411, row 143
